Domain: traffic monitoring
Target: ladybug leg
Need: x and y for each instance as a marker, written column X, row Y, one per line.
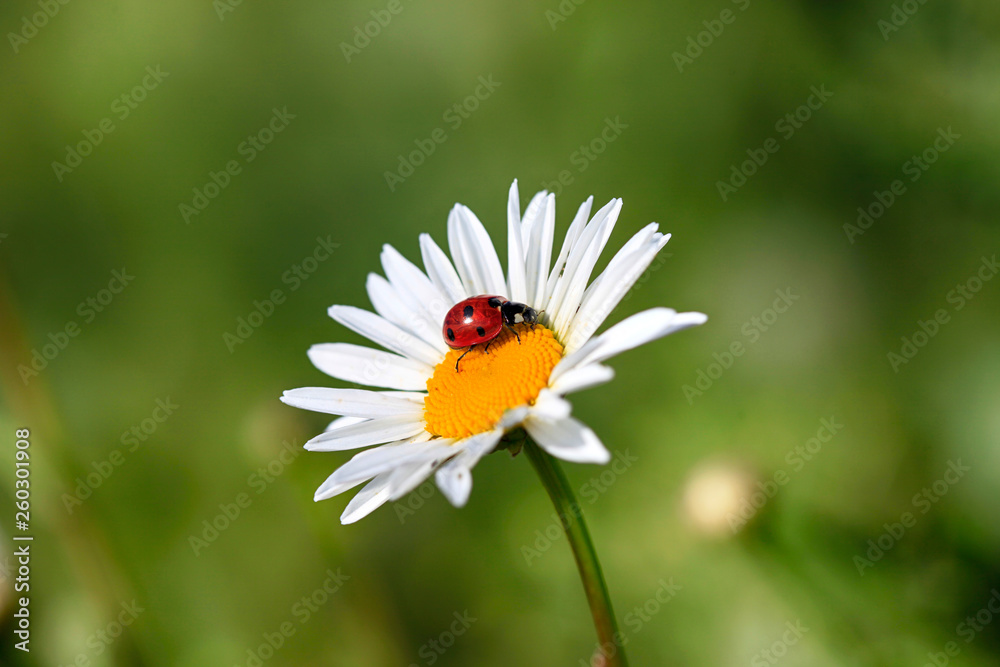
column 514, row 331
column 487, row 348
column 469, row 349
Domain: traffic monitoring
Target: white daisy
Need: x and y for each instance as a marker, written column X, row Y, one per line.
column 435, row 420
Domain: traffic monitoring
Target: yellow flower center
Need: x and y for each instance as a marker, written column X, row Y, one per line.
column 472, row 400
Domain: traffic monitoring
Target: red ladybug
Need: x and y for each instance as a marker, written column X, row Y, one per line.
column 479, row 319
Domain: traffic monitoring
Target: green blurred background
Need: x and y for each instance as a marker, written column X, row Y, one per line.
column 559, row 73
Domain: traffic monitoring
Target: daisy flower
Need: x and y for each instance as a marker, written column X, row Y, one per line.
column 428, row 418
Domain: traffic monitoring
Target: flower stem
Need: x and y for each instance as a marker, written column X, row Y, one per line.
column 571, row 514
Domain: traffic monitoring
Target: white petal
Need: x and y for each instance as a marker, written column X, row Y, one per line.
column 440, row 270
column 400, row 311
column 341, row 422
column 386, row 302
column 550, row 406
column 484, row 253
column 570, row 288
column 413, row 396
column 388, row 335
column 378, row 460
column 364, row 365
column 513, row 417
column 367, row 500
column 582, row 377
column 330, row 489
column 631, row 332
column 638, row 241
column 515, row 249
column 462, row 254
column 369, row 432
column 567, row 439
column 454, row 478
column 569, row 241
column 514, row 204
column 455, row 482
column 584, row 236
column 610, row 289
column 532, row 215
column 349, row 402
column 416, row 289
column 407, row 478
column 538, row 251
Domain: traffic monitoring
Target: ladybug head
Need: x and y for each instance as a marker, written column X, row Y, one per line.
column 516, row 313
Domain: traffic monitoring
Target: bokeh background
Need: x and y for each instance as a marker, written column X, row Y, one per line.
column 560, row 72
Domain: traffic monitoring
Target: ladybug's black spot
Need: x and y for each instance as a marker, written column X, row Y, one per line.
column 494, row 302
column 451, row 334
column 467, row 312
column 481, row 331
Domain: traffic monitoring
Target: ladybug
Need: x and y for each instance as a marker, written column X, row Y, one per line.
column 479, row 319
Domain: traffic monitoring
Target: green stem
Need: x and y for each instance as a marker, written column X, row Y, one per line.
column 571, row 515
